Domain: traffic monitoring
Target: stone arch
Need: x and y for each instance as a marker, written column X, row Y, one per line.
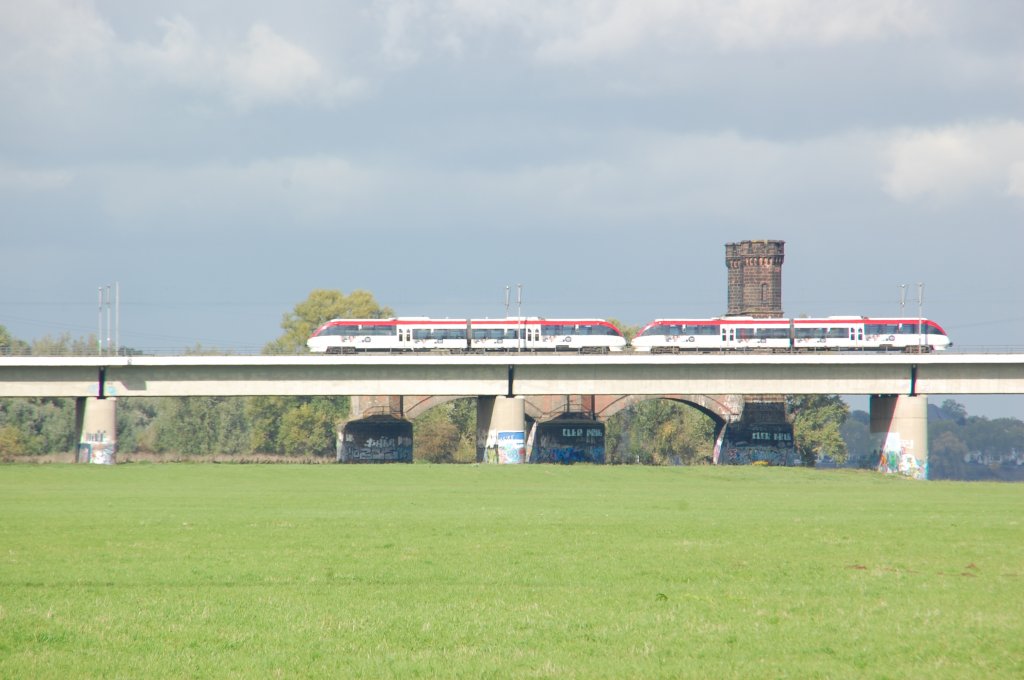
column 720, row 408
column 417, row 406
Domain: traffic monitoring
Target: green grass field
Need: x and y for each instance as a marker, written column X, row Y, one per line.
column 263, row 571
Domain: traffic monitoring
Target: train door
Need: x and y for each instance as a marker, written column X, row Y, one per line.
column 728, row 336
column 404, row 338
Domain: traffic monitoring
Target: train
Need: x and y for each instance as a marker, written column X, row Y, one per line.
column 421, row 334
column 598, row 336
column 851, row 333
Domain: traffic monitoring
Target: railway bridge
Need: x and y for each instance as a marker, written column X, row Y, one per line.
column 503, row 383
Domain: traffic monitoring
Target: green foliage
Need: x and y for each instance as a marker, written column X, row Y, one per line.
column 276, row 424
column 64, row 345
column 953, row 436
column 446, row 433
column 12, row 441
column 308, row 430
column 44, row 425
column 817, row 420
column 629, row 332
column 321, row 306
column 200, row 425
column 11, row 346
column 860, row 445
column 659, row 432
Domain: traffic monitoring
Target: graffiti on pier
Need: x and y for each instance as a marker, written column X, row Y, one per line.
column 569, row 441
column 896, row 457
column 764, row 443
column 376, row 440
column 511, row 447
column 97, row 448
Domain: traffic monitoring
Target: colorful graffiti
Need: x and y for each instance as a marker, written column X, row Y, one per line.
column 770, row 444
column 896, row 457
column 97, row 448
column 568, row 441
column 511, row 447
column 379, row 439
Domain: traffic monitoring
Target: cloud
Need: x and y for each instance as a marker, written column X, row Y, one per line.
column 584, row 30
column 265, row 69
column 954, row 162
column 51, row 32
column 292, row 191
column 25, row 179
column 50, row 42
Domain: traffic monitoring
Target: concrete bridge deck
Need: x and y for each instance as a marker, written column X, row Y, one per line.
column 508, row 374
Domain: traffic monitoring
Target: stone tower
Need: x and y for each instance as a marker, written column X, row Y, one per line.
column 755, row 278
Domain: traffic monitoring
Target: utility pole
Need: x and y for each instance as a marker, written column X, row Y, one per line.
column 920, row 315
column 99, row 323
column 519, row 313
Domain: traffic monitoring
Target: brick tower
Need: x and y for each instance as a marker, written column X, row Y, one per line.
column 763, row 433
column 755, row 278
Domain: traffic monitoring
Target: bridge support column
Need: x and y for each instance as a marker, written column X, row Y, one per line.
column 377, row 439
column 96, row 427
column 899, row 426
column 569, row 438
column 501, row 430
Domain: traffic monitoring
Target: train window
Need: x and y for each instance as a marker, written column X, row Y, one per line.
column 810, row 333
column 841, row 333
column 421, row 334
column 511, row 334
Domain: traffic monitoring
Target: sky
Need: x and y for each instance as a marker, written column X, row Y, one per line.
column 219, row 161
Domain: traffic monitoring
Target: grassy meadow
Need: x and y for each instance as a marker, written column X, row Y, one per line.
column 299, row 571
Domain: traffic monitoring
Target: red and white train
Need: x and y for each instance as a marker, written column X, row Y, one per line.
column 417, row 334
column 829, row 333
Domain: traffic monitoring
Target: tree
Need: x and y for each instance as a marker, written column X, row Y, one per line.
column 817, row 419
column 946, row 454
column 308, row 430
column 629, row 332
column 321, row 306
column 447, row 433
column 659, row 432
column 11, row 346
column 860, row 444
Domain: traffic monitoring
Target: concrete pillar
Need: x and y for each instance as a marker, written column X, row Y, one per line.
column 96, row 423
column 501, row 430
column 899, row 427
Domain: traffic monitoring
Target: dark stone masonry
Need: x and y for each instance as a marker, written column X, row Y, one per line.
column 755, row 278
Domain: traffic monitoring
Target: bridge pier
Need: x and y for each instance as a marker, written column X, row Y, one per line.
column 571, row 437
column 500, row 430
column 96, row 430
column 899, row 426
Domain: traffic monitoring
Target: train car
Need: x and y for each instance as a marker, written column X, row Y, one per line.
column 831, row 333
column 418, row 334
column 402, row 334
column 535, row 334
